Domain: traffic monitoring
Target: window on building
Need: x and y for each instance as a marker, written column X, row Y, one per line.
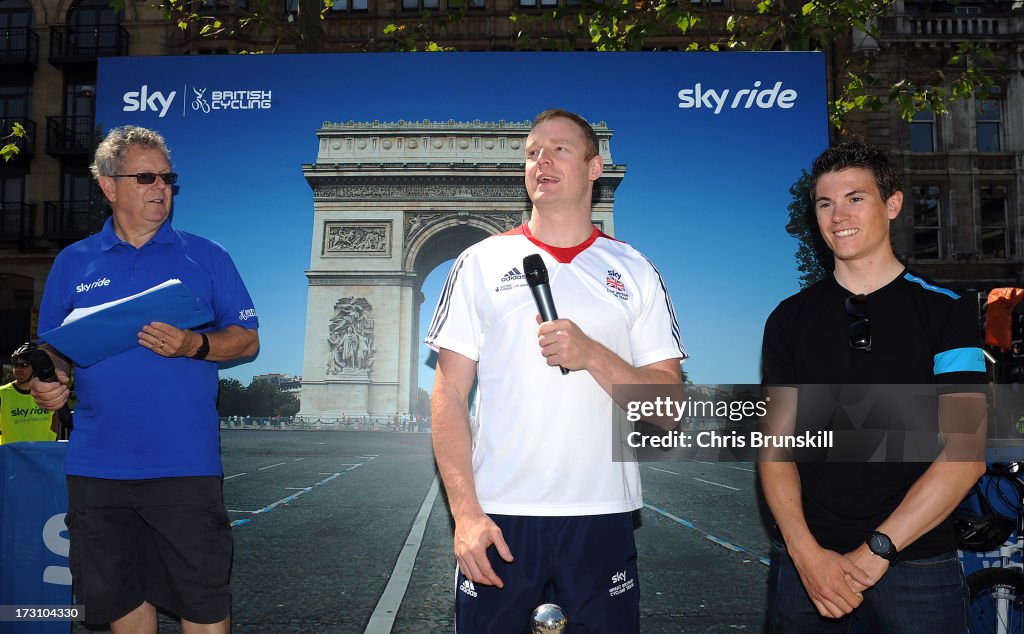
column 12, row 188
column 76, row 185
column 12, row 199
column 223, row 6
column 343, row 6
column 421, row 5
column 15, row 102
column 95, row 28
column 80, row 98
column 532, row 4
column 992, row 222
column 988, row 123
column 926, row 222
column 922, row 131
column 15, row 21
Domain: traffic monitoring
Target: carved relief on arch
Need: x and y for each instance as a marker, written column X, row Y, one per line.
column 347, row 239
column 350, row 337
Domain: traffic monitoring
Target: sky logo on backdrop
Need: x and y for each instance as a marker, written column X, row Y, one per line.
column 756, row 96
column 143, row 100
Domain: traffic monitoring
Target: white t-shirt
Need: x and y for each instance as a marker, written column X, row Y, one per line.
column 542, row 442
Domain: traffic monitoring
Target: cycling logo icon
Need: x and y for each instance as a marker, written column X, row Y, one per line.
column 200, row 102
column 229, row 100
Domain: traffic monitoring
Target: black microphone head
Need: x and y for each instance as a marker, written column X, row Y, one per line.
column 42, row 366
column 534, row 270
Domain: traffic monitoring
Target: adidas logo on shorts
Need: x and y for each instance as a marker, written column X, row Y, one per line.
column 468, row 588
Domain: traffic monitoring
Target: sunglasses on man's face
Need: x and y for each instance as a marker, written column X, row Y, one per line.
column 22, row 364
column 148, row 178
column 860, row 330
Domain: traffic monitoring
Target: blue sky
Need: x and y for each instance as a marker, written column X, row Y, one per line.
column 704, row 196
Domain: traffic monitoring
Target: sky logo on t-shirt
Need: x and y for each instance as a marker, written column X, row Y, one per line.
column 613, row 284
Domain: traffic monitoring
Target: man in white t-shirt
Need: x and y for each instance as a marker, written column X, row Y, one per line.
column 542, row 511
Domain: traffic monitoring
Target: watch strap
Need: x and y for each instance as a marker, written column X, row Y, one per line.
column 204, row 348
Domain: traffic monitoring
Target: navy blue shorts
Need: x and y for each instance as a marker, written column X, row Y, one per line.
column 584, row 564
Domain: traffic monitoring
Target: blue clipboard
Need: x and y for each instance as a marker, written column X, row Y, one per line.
column 115, row 329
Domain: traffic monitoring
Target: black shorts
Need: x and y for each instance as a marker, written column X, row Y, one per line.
column 166, row 541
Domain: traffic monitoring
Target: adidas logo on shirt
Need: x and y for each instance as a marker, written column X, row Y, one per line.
column 514, row 274
column 468, row 588
column 506, row 281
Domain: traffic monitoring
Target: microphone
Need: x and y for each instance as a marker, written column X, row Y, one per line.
column 537, row 277
column 42, row 367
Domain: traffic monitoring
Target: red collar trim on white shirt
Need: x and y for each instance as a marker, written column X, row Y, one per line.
column 564, row 255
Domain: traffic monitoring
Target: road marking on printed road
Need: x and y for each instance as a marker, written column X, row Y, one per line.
column 383, row 617
column 724, row 486
column 662, row 470
column 744, row 469
column 702, row 462
column 284, row 500
column 297, row 459
column 270, row 466
column 708, row 536
column 235, row 476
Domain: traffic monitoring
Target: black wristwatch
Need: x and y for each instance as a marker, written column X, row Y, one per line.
column 204, row 348
column 881, row 545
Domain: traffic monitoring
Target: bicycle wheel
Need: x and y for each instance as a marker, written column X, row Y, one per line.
column 997, row 601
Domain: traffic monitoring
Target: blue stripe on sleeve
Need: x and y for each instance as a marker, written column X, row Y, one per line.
column 959, row 360
column 931, row 287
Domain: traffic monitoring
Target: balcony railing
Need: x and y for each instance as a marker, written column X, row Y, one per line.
column 927, row 162
column 70, row 135
column 83, row 43
column 19, row 45
column 15, row 221
column 26, row 144
column 995, row 162
column 72, row 220
column 943, row 27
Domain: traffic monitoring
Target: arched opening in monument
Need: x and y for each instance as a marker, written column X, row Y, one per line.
column 432, row 262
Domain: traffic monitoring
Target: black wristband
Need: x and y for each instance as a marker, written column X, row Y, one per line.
column 204, row 348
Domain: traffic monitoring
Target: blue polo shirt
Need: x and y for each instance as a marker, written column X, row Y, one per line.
column 140, row 415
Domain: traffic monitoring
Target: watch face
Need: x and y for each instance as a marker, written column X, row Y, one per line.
column 880, row 544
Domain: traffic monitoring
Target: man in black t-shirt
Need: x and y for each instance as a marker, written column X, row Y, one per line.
column 865, row 540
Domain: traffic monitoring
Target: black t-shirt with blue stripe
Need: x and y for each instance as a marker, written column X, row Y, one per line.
column 921, row 334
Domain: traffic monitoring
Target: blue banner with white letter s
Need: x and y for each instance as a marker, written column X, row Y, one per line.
column 33, row 539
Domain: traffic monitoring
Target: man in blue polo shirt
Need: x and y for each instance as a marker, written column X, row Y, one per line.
column 146, row 444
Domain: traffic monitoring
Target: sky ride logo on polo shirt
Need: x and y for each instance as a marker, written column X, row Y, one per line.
column 86, row 287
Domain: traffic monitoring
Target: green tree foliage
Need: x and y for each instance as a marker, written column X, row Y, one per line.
column 813, row 258
column 260, row 398
column 863, row 84
column 10, row 141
